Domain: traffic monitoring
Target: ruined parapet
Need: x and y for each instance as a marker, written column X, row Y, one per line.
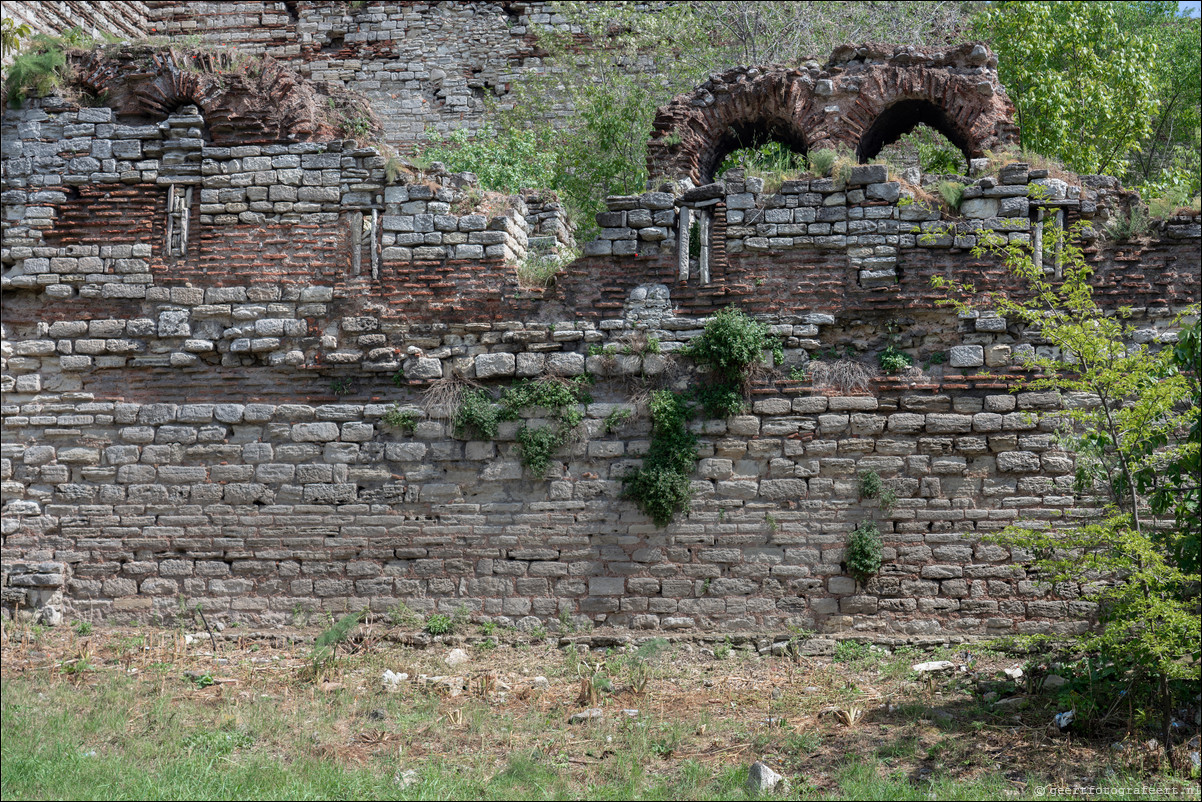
column 243, row 100
column 244, row 395
column 864, row 98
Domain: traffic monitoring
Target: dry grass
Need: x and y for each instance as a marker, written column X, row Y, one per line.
column 843, row 375
column 856, row 725
column 441, row 400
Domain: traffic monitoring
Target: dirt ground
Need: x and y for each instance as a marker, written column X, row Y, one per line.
column 700, row 703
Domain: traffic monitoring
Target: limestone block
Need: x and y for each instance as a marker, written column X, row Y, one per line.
column 1018, row 462
column 565, row 364
column 490, row 366
column 967, row 356
column 315, row 432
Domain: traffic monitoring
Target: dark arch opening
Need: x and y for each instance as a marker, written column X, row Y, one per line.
column 743, row 135
column 901, row 118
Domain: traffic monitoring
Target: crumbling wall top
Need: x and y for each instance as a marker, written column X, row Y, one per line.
column 243, row 100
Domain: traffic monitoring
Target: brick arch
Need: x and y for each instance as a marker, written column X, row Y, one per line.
column 902, row 117
column 863, row 98
column 243, row 102
column 743, row 107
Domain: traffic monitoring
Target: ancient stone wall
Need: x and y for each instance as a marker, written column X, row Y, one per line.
column 422, row 65
column 121, row 19
column 216, row 360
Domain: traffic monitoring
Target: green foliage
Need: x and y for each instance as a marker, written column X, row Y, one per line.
column 1138, row 441
column 355, row 126
column 535, row 447
column 823, row 161
column 400, row 615
column 864, row 552
column 888, row 500
column 202, row 680
column 1131, row 224
column 11, row 35
column 952, row 193
column 82, row 628
column 927, row 149
column 730, row 344
column 538, row 269
column 340, row 386
column 617, row 417
column 439, row 624
column 719, row 400
column 1170, row 481
column 1167, row 163
column 871, row 484
column 326, row 645
column 661, row 487
column 505, row 160
column 394, row 169
column 403, row 419
column 216, row 743
column 850, row 651
column 559, row 397
column 1081, row 80
column 38, row 70
column 476, row 414
column 773, row 161
column 893, row 360
column 561, row 400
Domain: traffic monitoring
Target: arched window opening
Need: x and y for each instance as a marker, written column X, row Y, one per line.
column 903, row 117
column 928, row 150
column 772, row 160
column 753, row 145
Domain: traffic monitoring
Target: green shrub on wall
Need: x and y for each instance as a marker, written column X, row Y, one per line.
column 730, row 345
column 662, row 488
column 864, row 552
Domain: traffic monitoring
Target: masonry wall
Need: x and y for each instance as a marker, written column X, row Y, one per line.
column 203, row 415
column 423, row 66
column 96, row 18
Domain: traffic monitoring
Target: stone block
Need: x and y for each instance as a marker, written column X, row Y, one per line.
column 489, row 366
column 967, row 356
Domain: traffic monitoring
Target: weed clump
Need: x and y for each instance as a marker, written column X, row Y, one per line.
column 731, row 344
column 561, row 399
column 952, row 193
column 661, row 488
column 864, row 552
column 894, row 361
column 476, row 414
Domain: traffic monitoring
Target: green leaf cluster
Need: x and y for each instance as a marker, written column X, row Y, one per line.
column 864, row 552
column 439, row 624
column 661, row 487
column 476, row 415
column 1082, row 78
column 893, row 360
column 561, row 399
column 36, row 71
column 505, row 160
column 1133, row 427
column 731, row 343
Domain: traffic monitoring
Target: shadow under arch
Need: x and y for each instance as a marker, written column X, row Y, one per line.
column 750, row 134
column 904, row 116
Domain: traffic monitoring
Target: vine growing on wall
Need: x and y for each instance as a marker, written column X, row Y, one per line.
column 731, row 345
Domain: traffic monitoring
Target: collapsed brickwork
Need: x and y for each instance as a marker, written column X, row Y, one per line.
column 203, row 341
column 424, row 66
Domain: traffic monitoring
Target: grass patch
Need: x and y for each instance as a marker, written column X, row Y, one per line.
column 260, row 732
